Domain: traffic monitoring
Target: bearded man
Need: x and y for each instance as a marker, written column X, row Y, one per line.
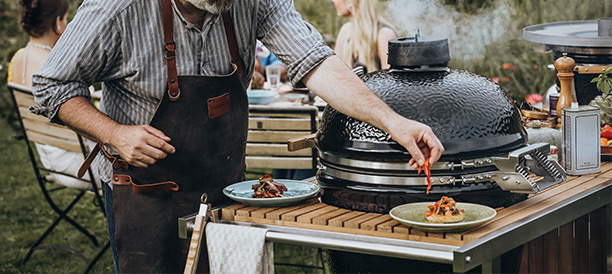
column 173, row 115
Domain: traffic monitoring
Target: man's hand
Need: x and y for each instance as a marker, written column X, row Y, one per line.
column 141, row 145
column 418, row 139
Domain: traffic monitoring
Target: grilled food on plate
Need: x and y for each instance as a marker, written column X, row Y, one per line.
column 268, row 188
column 444, row 211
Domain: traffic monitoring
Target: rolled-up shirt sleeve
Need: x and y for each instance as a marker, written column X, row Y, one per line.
column 84, row 54
column 295, row 42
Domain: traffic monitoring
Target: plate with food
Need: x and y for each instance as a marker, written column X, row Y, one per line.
column 268, row 191
column 445, row 215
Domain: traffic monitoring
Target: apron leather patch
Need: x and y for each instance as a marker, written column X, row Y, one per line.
column 218, row 106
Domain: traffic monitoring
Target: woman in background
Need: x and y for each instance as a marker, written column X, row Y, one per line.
column 364, row 40
column 45, row 21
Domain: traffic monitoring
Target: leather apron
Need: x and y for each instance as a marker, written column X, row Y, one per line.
column 207, row 118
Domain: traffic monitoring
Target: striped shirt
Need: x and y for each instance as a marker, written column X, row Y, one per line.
column 120, row 43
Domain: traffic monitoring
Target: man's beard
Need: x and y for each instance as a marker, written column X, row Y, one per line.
column 212, row 6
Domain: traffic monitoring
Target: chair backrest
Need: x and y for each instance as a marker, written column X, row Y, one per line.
column 269, row 130
column 39, row 130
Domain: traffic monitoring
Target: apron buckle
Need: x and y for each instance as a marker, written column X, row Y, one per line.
column 170, row 53
column 119, row 163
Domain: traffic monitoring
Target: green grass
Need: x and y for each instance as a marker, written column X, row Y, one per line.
column 24, row 215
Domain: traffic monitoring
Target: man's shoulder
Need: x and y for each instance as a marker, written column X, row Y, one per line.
column 117, row 7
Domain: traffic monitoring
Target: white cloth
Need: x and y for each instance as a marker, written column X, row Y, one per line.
column 68, row 162
column 238, row 249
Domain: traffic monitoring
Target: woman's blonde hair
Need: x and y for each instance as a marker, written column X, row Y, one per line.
column 364, row 32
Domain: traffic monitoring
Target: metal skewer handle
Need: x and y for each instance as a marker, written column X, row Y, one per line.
column 193, row 255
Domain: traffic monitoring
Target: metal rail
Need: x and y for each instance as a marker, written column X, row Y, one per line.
column 403, row 249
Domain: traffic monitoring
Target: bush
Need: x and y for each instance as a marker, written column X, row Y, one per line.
column 485, row 35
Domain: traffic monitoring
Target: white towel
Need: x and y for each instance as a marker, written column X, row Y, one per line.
column 238, row 249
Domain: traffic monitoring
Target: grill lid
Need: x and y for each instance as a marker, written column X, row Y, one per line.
column 470, row 114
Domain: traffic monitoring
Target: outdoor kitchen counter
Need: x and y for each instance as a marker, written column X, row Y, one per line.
column 317, row 224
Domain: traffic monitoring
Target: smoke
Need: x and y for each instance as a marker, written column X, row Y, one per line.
column 468, row 35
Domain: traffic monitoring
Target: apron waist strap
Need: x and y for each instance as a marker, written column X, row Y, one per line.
column 119, row 163
column 126, row 180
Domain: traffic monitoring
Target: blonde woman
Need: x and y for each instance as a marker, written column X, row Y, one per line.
column 364, row 40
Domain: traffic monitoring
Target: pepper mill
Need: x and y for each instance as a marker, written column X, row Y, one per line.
column 565, row 67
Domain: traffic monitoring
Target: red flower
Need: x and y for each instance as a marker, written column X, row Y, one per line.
column 509, row 66
column 533, row 98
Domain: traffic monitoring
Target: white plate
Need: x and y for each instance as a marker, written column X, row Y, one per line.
column 296, row 191
column 413, row 215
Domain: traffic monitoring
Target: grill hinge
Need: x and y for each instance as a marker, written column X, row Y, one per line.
column 521, row 163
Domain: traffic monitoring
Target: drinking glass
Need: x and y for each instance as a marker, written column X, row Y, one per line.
column 273, row 76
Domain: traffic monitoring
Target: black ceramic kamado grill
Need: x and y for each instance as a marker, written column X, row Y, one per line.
column 486, row 159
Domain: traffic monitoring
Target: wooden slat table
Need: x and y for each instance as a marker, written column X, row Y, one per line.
column 543, row 216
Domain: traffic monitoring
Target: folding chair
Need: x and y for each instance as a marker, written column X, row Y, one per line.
column 37, row 129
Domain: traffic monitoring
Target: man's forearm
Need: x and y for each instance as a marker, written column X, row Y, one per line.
column 81, row 116
column 344, row 91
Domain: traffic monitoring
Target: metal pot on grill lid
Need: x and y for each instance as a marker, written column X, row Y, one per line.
column 470, row 114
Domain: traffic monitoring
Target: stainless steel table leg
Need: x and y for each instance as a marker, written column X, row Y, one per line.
column 492, row 266
column 609, row 237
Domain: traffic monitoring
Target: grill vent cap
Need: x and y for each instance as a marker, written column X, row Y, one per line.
column 418, row 51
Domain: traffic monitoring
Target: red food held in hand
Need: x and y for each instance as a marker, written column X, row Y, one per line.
column 427, row 173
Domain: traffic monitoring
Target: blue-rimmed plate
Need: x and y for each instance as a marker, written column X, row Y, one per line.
column 296, row 191
column 261, row 96
column 413, row 215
